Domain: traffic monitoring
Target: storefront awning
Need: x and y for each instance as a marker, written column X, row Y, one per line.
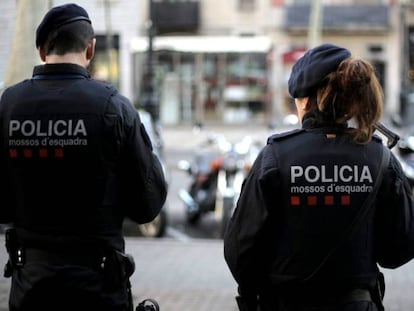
column 293, row 55
column 205, row 44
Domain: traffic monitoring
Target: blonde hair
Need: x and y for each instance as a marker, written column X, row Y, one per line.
column 352, row 92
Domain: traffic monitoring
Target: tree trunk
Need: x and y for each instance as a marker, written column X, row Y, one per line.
column 23, row 54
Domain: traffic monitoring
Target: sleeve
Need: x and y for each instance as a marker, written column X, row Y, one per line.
column 244, row 241
column 7, row 200
column 144, row 187
column 8, row 204
column 395, row 219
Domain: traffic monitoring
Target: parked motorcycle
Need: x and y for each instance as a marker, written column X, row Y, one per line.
column 401, row 135
column 405, row 153
column 217, row 170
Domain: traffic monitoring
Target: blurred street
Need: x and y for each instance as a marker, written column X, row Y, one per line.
column 180, row 143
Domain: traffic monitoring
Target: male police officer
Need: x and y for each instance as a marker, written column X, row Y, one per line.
column 75, row 160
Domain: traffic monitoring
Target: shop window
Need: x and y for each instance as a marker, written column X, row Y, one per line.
column 246, row 5
column 231, row 88
column 246, row 84
column 105, row 64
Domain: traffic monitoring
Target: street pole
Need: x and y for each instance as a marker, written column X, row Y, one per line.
column 23, row 54
column 149, row 96
column 315, row 23
column 109, row 52
column 406, row 89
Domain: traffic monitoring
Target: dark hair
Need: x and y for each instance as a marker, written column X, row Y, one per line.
column 351, row 92
column 73, row 37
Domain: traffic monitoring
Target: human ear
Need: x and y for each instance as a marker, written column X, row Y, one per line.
column 90, row 50
column 302, row 104
column 42, row 54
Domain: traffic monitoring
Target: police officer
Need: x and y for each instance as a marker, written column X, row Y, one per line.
column 298, row 239
column 75, row 161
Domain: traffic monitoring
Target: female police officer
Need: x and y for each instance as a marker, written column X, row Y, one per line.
column 283, row 243
column 75, row 161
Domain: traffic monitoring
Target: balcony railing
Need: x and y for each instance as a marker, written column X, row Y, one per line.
column 178, row 16
column 341, row 18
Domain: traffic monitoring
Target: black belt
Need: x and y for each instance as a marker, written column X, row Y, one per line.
column 330, row 299
column 320, row 298
column 94, row 261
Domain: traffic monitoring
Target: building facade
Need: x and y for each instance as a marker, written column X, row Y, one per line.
column 229, row 61
column 240, row 74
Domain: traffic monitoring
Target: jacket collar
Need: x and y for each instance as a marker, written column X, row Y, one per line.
column 310, row 121
column 60, row 69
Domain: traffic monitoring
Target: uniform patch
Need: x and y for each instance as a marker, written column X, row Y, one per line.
column 294, row 200
column 43, row 153
column 13, row 153
column 45, row 138
column 27, row 153
column 59, row 153
column 329, row 200
column 312, row 200
column 328, row 184
column 345, row 200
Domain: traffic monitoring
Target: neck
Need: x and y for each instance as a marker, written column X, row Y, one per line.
column 73, row 58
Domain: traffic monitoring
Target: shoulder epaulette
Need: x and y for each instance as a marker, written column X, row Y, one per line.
column 111, row 88
column 377, row 138
column 106, row 85
column 283, row 135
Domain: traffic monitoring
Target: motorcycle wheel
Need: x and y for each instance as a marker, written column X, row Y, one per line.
column 156, row 228
column 193, row 215
column 193, row 218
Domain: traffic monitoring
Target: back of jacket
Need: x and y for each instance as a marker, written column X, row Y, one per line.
column 302, row 194
column 75, row 158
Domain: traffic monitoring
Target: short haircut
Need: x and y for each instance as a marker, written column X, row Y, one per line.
column 70, row 38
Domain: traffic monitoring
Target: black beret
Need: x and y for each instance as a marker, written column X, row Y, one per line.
column 313, row 67
column 57, row 17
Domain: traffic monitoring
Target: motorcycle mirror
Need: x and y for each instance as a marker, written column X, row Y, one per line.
column 185, row 166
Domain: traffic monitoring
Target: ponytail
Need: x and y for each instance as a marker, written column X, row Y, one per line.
column 352, row 92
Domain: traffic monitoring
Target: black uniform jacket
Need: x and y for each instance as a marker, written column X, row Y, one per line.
column 75, row 159
column 300, row 196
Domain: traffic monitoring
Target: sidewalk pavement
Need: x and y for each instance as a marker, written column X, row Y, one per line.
column 191, row 275
column 180, row 276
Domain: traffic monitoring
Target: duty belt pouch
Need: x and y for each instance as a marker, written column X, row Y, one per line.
column 117, row 268
column 15, row 252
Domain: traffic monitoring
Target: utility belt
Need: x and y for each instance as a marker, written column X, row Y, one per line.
column 298, row 300
column 332, row 297
column 19, row 256
column 326, row 299
column 116, row 266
